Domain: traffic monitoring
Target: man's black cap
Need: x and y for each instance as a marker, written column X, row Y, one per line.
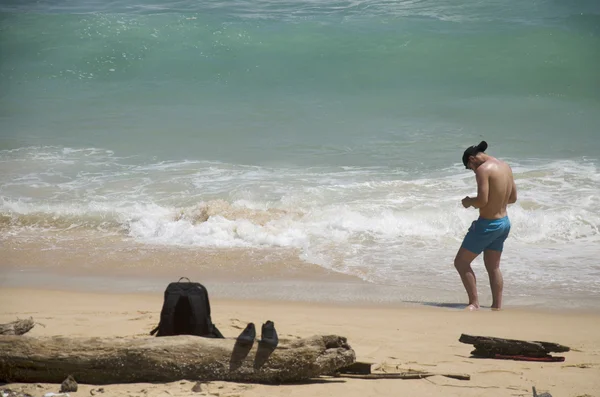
column 472, row 151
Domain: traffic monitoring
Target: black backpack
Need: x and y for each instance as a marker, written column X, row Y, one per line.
column 186, row 311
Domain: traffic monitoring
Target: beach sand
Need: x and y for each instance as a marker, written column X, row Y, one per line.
column 396, row 338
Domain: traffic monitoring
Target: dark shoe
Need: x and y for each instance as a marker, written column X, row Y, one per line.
column 269, row 335
column 247, row 336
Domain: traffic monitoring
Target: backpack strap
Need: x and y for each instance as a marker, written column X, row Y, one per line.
column 203, row 325
column 216, row 333
column 166, row 325
column 200, row 316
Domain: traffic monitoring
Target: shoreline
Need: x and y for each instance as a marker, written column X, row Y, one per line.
column 354, row 293
column 250, row 274
column 114, row 265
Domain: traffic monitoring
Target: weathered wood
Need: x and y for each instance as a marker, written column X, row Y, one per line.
column 18, row 327
column 487, row 346
column 358, row 367
column 404, row 375
column 167, row 359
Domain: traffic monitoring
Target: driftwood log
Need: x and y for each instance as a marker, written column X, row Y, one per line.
column 18, row 327
column 168, row 359
column 486, row 346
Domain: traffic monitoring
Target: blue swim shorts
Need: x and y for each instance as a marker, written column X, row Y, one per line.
column 487, row 234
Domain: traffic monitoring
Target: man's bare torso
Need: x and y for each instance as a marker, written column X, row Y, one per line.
column 501, row 182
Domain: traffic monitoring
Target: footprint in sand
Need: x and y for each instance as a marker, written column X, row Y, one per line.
column 139, row 318
column 500, row 371
column 582, row 365
column 237, row 324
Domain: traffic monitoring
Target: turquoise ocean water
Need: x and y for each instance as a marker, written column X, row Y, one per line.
column 333, row 130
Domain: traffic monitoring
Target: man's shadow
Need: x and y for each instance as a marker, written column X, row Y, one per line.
column 446, row 305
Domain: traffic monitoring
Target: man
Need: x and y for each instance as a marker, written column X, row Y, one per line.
column 495, row 190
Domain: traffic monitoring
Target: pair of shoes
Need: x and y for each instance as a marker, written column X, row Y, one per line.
column 268, row 334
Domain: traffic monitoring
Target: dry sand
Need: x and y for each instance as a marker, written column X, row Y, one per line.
column 396, row 339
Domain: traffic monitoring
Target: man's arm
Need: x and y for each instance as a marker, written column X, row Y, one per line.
column 483, row 189
column 513, row 193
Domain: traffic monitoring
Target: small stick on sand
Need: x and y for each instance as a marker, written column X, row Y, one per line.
column 18, row 327
column 405, row 375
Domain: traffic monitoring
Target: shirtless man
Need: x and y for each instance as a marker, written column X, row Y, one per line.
column 495, row 190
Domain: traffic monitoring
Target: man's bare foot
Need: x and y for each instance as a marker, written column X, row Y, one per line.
column 496, row 309
column 472, row 308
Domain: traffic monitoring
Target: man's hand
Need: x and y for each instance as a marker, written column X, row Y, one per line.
column 466, row 202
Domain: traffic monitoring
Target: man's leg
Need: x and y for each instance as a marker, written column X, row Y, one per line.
column 462, row 263
column 491, row 258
